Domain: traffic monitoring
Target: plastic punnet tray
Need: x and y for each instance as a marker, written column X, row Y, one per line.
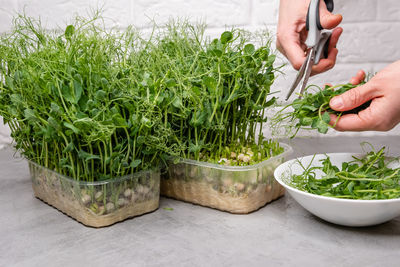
column 97, row 204
column 236, row 189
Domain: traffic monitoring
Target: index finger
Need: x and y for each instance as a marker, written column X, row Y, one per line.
column 295, row 55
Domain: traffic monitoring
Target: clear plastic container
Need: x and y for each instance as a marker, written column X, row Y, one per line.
column 236, row 189
column 97, row 204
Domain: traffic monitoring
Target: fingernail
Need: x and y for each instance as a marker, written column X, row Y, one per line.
column 336, row 102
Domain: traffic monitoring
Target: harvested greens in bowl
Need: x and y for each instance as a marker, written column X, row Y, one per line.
column 370, row 176
column 345, row 188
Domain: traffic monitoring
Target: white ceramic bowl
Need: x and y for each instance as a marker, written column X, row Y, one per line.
column 346, row 212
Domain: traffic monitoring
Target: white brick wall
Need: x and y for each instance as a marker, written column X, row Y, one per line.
column 370, row 39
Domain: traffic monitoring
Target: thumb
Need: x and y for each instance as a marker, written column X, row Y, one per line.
column 353, row 98
column 328, row 20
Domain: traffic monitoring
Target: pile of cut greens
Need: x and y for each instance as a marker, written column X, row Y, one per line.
column 311, row 112
column 93, row 104
column 366, row 178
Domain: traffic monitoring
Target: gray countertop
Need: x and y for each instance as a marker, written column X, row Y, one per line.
column 280, row 234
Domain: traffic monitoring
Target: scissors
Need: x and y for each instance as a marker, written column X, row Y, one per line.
column 317, row 42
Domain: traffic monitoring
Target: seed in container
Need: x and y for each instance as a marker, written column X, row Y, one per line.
column 101, row 210
column 121, row 202
column 110, row 207
column 127, row 193
column 246, row 159
column 99, row 196
column 239, row 186
column 86, row 199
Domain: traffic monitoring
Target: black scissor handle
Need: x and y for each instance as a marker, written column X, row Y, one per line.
column 326, row 48
column 329, row 6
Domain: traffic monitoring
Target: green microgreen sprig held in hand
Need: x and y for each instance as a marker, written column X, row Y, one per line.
column 311, row 111
column 368, row 177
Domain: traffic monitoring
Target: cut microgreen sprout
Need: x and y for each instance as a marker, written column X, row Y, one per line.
column 367, row 177
column 312, row 111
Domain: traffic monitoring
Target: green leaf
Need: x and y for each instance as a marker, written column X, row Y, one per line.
column 270, row 102
column 66, row 93
column 78, row 91
column 210, row 83
column 69, row 148
column 119, row 120
column 10, row 82
column 217, row 52
column 196, row 90
column 72, row 127
column 54, row 123
column 104, row 82
column 309, row 107
column 140, row 139
column 322, row 127
column 315, row 122
column 135, row 163
column 225, row 67
column 249, row 49
column 198, row 118
column 54, row 108
column 69, row 31
column 350, row 187
column 194, row 148
column 271, row 59
column 177, row 102
column 30, row 114
column 16, row 99
column 226, row 37
column 170, row 83
column 326, row 118
column 83, row 102
column 306, row 121
column 87, row 156
column 100, row 94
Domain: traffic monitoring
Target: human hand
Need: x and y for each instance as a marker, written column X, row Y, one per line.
column 292, row 34
column 384, row 111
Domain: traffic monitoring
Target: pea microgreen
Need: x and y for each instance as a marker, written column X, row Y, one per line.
column 214, row 92
column 74, row 102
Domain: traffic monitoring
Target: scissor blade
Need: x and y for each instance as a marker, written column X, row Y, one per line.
column 298, row 78
column 308, row 68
